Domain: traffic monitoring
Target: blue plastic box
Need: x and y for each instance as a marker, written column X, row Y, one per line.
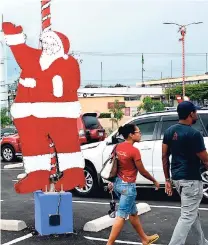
column 46, row 204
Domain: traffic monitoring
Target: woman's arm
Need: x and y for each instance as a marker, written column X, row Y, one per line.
column 143, row 171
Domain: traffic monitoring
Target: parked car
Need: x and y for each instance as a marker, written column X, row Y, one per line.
column 8, row 131
column 89, row 128
column 152, row 126
column 170, row 108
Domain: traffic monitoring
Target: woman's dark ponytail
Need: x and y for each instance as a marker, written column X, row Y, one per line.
column 126, row 130
column 120, row 130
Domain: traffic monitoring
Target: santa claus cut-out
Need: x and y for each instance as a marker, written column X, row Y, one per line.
column 46, row 109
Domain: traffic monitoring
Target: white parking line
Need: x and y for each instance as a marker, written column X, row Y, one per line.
column 117, row 241
column 18, row 239
column 174, row 207
column 152, row 206
column 14, row 180
column 86, row 202
column 107, row 203
column 2, row 200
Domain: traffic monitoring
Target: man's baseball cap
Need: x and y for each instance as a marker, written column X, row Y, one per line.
column 185, row 108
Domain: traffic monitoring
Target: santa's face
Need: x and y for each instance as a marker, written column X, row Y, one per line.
column 52, row 49
column 50, row 46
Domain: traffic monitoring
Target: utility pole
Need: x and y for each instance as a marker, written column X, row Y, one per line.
column 143, row 71
column 206, row 62
column 101, row 74
column 182, row 30
column 171, row 69
column 161, row 75
column 142, row 76
column 168, row 93
column 3, row 70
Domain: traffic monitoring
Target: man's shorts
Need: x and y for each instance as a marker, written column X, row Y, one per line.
column 126, row 193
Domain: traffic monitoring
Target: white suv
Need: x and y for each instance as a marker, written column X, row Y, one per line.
column 152, row 126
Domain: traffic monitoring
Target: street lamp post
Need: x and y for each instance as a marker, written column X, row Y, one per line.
column 182, row 30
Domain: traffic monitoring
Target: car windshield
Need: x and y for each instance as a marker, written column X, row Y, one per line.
column 204, row 118
column 91, row 122
column 7, row 131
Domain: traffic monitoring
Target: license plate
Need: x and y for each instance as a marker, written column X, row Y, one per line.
column 100, row 134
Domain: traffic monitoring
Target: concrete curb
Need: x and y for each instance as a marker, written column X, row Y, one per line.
column 21, row 176
column 105, row 221
column 12, row 225
column 17, row 165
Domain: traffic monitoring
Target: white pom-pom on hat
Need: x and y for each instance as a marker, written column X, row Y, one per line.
column 65, row 56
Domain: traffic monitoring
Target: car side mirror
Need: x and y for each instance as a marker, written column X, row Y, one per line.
column 111, row 141
column 114, row 140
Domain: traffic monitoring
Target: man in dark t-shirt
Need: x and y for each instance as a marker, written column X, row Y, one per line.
column 187, row 148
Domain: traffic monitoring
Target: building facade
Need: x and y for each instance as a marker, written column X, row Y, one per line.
column 103, row 103
column 173, row 82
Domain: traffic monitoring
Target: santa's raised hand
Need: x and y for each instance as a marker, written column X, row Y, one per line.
column 13, row 34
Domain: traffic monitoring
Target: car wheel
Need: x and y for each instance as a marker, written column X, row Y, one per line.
column 8, row 153
column 205, row 184
column 91, row 183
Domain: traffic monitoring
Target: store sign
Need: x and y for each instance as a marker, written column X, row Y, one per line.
column 111, row 104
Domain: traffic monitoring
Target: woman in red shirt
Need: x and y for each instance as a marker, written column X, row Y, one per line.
column 129, row 165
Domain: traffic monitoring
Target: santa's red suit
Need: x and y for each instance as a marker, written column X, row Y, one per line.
column 46, row 106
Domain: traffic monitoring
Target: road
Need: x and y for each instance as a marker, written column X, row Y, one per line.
column 162, row 218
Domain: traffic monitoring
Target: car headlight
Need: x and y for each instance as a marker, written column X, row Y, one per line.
column 81, row 133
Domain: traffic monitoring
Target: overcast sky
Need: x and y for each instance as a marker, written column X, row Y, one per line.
column 114, row 26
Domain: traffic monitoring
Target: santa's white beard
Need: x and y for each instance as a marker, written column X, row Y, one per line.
column 46, row 60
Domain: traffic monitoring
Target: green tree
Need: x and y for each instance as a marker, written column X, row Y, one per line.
column 197, row 92
column 158, row 106
column 5, row 120
column 149, row 105
column 117, row 111
column 146, row 104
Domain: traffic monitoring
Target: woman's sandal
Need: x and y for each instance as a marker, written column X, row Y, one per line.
column 154, row 238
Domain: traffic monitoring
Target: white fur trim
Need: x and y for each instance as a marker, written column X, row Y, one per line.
column 57, row 86
column 39, row 162
column 28, row 82
column 15, row 39
column 46, row 109
column 66, row 56
column 70, row 160
column 20, row 110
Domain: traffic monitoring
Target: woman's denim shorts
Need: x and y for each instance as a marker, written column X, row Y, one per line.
column 126, row 193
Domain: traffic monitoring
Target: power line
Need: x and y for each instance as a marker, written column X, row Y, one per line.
column 101, row 53
column 127, row 55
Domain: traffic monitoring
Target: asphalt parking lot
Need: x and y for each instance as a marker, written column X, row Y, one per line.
column 162, row 218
